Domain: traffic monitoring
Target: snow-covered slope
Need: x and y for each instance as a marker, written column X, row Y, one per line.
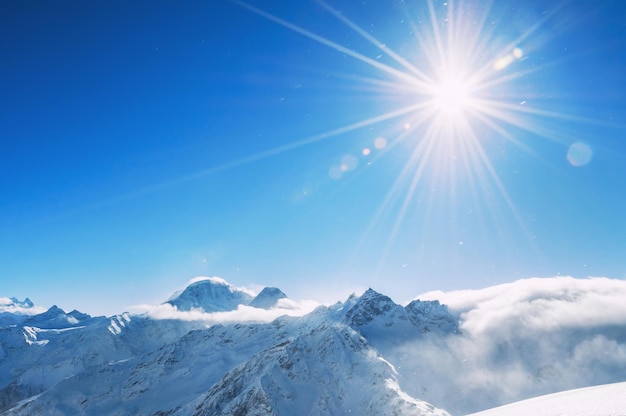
column 34, row 359
column 330, row 370
column 367, row 355
column 290, row 366
column 604, row 400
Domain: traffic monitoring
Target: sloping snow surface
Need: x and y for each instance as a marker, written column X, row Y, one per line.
column 605, row 400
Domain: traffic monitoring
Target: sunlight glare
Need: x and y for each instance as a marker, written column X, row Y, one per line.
column 452, row 95
column 460, row 90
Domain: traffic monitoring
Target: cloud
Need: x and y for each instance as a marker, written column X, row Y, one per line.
column 521, row 339
column 10, row 306
column 242, row 314
column 538, row 304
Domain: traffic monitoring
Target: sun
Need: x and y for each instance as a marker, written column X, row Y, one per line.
column 452, row 95
column 460, row 88
column 448, row 87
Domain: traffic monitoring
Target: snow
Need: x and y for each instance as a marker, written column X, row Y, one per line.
column 367, row 355
column 210, row 295
column 604, row 400
column 118, row 322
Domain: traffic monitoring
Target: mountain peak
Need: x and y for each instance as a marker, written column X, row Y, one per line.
column 14, row 303
column 211, row 294
column 368, row 306
column 371, row 292
column 377, row 316
column 26, row 303
column 267, row 298
column 56, row 317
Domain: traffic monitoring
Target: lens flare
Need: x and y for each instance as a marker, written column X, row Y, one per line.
column 579, row 154
column 458, row 92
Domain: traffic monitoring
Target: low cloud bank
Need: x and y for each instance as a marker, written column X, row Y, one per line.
column 538, row 304
column 519, row 340
column 243, row 313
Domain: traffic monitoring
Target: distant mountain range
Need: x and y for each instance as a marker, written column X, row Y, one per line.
column 365, row 356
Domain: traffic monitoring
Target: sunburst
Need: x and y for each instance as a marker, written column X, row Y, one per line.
column 457, row 87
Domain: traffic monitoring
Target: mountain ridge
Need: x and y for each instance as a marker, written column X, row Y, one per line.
column 366, row 354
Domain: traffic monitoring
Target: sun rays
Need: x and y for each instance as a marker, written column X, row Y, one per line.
column 458, row 91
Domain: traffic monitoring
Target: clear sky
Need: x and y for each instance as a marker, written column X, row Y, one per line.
column 319, row 147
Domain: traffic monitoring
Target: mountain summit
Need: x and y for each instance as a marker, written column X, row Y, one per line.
column 13, row 302
column 268, row 298
column 212, row 294
column 376, row 315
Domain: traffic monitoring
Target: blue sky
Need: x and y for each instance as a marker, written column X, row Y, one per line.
column 318, row 147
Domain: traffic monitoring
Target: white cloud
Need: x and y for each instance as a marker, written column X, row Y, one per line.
column 5, row 301
column 242, row 314
column 7, row 305
column 538, row 303
column 518, row 340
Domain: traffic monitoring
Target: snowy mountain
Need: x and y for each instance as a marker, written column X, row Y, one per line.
column 366, row 355
column 339, row 373
column 14, row 311
column 211, row 295
column 267, row 298
column 11, row 304
column 376, row 316
column 56, row 317
column 217, row 295
column 192, row 369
